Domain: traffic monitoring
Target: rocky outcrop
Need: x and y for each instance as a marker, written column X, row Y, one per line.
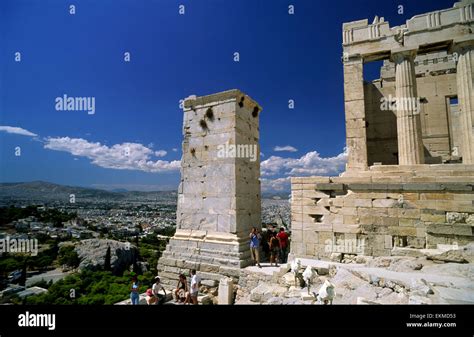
column 381, row 280
column 92, row 254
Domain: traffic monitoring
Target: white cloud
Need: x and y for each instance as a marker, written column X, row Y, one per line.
column 17, row 131
column 160, row 153
column 175, row 149
column 287, row 148
column 125, row 156
column 309, row 164
column 278, row 184
column 276, row 171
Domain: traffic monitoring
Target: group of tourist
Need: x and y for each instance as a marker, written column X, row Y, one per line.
column 187, row 294
column 183, row 293
column 274, row 245
column 153, row 295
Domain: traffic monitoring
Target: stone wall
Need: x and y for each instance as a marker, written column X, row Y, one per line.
column 371, row 212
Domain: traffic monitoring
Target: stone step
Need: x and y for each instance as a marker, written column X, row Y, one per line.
column 190, row 260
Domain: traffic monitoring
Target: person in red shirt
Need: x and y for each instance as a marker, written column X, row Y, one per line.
column 283, row 238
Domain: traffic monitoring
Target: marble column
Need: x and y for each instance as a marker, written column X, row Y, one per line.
column 410, row 142
column 464, row 53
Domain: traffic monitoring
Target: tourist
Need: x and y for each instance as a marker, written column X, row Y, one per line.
column 134, row 291
column 182, row 289
column 264, row 244
column 274, row 244
column 283, row 237
column 193, row 293
column 157, row 287
column 150, row 299
column 255, row 238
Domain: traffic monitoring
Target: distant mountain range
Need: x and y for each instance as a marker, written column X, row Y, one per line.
column 41, row 190
column 46, row 191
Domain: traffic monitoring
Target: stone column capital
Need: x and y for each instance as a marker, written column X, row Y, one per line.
column 399, row 54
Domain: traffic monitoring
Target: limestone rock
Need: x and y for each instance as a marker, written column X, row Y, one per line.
column 92, row 254
column 456, row 217
column 207, row 300
column 275, row 301
column 293, row 292
column 292, row 300
column 360, row 259
column 470, row 219
column 384, row 292
column 449, row 256
column 421, row 288
column 210, row 283
column 306, row 297
column 451, row 295
column 380, row 262
column 288, row 280
column 405, row 251
column 416, row 299
column 278, row 290
column 406, row 265
column 348, row 258
column 394, row 298
column 262, row 293
column 336, row 257
column 332, row 270
column 363, row 300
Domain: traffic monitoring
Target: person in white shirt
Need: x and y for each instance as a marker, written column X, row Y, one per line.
column 194, row 290
column 157, row 287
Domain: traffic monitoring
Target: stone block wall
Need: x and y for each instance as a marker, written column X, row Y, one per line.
column 373, row 211
column 219, row 192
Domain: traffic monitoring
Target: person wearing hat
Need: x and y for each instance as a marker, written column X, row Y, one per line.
column 157, row 287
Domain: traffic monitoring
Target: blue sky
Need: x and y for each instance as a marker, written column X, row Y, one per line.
column 172, row 56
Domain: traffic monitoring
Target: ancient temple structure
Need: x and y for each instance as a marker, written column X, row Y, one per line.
column 219, row 193
column 410, row 143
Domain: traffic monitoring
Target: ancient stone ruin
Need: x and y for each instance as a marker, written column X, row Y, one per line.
column 407, row 192
column 219, row 193
column 410, row 144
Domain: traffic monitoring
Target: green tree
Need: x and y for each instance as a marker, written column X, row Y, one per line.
column 68, row 256
column 107, row 266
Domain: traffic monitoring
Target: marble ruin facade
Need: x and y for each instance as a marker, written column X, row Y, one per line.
column 409, row 177
column 219, row 193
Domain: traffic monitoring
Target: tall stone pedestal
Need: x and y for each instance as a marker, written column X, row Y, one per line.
column 219, row 193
